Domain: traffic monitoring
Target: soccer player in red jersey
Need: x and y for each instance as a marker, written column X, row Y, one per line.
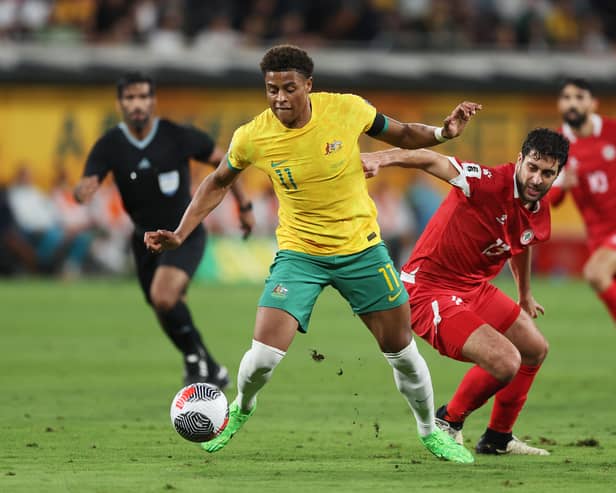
column 590, row 176
column 490, row 216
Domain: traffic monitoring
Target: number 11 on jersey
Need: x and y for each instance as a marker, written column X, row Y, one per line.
column 289, row 177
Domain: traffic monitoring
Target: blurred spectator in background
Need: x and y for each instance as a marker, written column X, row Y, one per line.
column 167, row 38
column 396, row 220
column 111, row 247
column 114, row 22
column 72, row 216
column 562, row 24
column 582, row 25
column 16, row 254
column 265, row 206
column 423, row 200
column 57, row 248
column 20, row 18
column 70, row 21
column 224, row 221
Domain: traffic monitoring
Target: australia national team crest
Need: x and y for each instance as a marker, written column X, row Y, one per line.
column 280, row 291
column 527, row 237
column 331, row 147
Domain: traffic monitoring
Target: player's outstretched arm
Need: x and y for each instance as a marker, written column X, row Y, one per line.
column 521, row 269
column 416, row 135
column 210, row 193
column 429, row 161
column 86, row 188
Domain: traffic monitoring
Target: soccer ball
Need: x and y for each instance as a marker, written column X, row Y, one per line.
column 199, row 412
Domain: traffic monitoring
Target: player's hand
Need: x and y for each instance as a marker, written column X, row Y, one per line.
column 569, row 178
column 455, row 123
column 371, row 163
column 530, row 306
column 247, row 222
column 86, row 188
column 161, row 240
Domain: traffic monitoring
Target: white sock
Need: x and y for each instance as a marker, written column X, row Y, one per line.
column 413, row 380
column 256, row 369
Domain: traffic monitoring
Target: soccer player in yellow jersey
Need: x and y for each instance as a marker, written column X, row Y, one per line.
column 328, row 232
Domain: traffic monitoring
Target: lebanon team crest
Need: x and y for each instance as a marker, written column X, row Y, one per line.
column 527, row 237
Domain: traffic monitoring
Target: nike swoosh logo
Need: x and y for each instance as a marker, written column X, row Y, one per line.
column 394, row 297
column 278, row 163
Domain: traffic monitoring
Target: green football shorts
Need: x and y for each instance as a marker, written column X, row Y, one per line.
column 367, row 280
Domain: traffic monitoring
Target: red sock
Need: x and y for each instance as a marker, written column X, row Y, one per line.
column 509, row 401
column 609, row 298
column 476, row 388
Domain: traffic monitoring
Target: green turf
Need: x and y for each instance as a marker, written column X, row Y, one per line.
column 87, row 379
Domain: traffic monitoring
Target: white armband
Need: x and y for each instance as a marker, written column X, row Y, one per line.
column 438, row 135
column 459, row 181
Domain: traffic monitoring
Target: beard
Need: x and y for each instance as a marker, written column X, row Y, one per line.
column 138, row 125
column 575, row 119
column 522, row 189
column 137, row 120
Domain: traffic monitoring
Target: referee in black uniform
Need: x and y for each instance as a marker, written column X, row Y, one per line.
column 149, row 158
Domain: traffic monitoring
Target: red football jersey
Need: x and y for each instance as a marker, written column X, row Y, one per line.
column 593, row 159
column 478, row 227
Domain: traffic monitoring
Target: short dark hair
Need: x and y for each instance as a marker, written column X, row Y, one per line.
column 130, row 78
column 544, row 142
column 283, row 58
column 577, row 82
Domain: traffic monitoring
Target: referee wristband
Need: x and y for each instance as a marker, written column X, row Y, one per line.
column 246, row 208
column 438, row 135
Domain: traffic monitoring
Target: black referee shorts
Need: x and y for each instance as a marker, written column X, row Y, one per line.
column 187, row 257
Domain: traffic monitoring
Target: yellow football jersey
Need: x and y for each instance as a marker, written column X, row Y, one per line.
column 316, row 171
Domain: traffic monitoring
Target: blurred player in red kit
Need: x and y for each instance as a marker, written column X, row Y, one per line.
column 590, row 176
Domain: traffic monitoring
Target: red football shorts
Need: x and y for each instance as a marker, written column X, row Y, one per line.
column 608, row 242
column 445, row 318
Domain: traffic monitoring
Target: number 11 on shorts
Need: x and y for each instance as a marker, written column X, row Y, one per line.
column 389, row 276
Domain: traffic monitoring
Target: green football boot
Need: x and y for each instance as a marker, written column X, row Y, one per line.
column 236, row 420
column 444, row 447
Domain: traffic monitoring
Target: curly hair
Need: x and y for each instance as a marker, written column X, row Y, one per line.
column 545, row 143
column 283, row 58
column 578, row 82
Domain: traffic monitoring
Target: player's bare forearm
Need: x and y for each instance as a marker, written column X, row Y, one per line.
column 418, row 135
column 431, row 162
column 209, row 194
column 521, row 269
column 409, row 135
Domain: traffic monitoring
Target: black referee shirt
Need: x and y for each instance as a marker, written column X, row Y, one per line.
column 152, row 174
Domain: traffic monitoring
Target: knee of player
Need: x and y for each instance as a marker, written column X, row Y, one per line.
column 507, row 366
column 595, row 276
column 538, row 354
column 163, row 302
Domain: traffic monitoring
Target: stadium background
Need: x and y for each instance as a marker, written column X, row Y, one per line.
column 414, row 60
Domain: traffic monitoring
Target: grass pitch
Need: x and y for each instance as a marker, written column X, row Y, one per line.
column 87, row 379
